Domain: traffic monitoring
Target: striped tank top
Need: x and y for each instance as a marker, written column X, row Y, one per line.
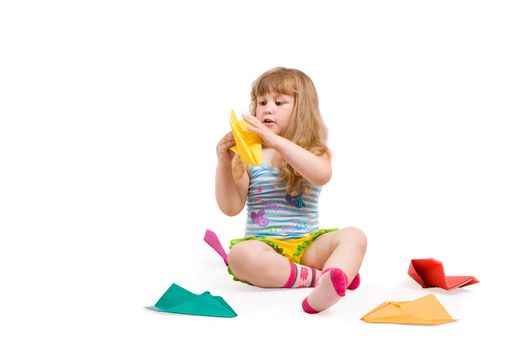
column 273, row 213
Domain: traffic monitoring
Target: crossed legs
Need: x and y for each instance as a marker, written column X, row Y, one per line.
column 338, row 254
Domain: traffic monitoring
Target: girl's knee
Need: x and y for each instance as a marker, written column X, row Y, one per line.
column 356, row 235
column 244, row 254
column 237, row 254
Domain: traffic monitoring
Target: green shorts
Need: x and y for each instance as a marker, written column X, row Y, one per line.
column 292, row 249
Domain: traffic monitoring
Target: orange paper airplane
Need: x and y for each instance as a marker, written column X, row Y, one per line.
column 430, row 273
column 425, row 310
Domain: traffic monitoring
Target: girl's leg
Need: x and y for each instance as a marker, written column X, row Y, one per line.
column 340, row 251
column 258, row 264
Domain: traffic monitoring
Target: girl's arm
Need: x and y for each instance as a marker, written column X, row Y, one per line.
column 230, row 193
column 315, row 169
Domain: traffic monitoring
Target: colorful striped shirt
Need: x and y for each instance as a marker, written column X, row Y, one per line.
column 273, row 213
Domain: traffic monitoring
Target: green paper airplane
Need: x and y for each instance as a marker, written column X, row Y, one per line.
column 181, row 301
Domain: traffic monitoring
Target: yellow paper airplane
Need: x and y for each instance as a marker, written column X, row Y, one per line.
column 248, row 144
column 424, row 310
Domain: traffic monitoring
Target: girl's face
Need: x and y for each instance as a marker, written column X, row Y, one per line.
column 275, row 110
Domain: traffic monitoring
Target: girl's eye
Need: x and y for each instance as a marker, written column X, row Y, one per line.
column 262, row 103
column 278, row 103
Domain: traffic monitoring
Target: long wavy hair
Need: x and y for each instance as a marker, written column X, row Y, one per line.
column 306, row 127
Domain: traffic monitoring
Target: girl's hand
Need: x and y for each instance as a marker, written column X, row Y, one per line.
column 269, row 138
column 224, row 154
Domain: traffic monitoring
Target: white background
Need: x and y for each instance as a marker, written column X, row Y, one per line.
column 110, row 113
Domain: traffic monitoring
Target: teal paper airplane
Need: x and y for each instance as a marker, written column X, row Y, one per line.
column 181, row 301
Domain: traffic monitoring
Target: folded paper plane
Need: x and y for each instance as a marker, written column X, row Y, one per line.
column 181, row 301
column 430, row 273
column 426, row 310
column 247, row 143
column 211, row 238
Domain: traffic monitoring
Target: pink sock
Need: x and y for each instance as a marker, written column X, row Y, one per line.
column 355, row 282
column 302, row 276
column 310, row 277
column 330, row 288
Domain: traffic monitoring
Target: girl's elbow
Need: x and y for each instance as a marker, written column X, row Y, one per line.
column 323, row 179
column 231, row 211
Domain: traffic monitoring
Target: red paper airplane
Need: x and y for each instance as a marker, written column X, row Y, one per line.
column 430, row 273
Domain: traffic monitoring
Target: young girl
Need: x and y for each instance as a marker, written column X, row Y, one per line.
column 283, row 246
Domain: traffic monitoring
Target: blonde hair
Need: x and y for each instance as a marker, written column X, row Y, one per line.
column 306, row 127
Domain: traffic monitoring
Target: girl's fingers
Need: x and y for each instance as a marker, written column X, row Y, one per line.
column 254, row 122
column 250, row 119
column 228, row 138
column 228, row 143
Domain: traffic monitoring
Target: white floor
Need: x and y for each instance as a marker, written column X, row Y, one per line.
column 109, row 116
column 93, row 294
column 276, row 313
